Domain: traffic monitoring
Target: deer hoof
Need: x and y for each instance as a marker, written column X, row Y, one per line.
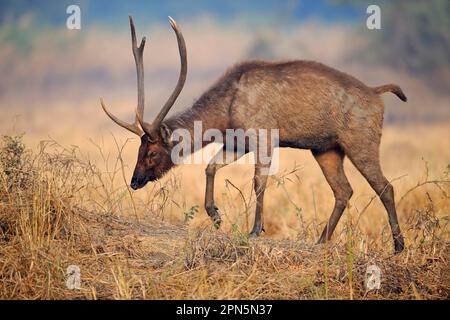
column 399, row 245
column 213, row 213
column 255, row 233
column 217, row 221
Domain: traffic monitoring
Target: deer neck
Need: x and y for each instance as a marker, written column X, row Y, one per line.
column 194, row 123
column 206, row 114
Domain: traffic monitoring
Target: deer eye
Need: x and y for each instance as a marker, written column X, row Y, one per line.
column 151, row 154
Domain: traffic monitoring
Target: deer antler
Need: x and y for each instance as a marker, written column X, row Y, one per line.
column 151, row 128
column 139, row 123
column 139, row 59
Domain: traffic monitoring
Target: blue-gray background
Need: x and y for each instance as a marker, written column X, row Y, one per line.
column 50, row 72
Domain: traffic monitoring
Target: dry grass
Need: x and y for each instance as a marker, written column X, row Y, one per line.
column 59, row 207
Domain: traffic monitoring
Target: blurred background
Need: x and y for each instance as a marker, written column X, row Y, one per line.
column 52, row 77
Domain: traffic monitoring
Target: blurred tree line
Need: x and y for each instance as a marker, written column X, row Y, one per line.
column 415, row 37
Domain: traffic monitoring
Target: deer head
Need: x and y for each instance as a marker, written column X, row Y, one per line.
column 154, row 152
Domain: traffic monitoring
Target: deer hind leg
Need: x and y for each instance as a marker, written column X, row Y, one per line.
column 332, row 164
column 259, row 185
column 366, row 160
column 220, row 160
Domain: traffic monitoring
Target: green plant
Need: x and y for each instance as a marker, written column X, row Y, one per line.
column 189, row 215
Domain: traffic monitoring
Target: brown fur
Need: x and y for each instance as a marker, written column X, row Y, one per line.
column 314, row 106
column 391, row 88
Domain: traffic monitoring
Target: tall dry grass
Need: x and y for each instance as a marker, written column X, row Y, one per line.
column 60, row 207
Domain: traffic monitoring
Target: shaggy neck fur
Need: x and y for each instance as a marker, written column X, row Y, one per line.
column 212, row 109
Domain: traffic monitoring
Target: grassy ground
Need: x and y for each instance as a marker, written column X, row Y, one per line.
column 60, row 207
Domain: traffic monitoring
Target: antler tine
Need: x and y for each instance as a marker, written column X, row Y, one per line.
column 138, row 57
column 131, row 127
column 138, row 53
column 181, row 80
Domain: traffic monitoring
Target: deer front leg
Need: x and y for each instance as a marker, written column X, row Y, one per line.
column 259, row 185
column 220, row 160
column 210, row 207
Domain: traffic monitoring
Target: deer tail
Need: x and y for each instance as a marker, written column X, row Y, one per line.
column 395, row 89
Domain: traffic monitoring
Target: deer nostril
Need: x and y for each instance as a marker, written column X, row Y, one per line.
column 134, row 183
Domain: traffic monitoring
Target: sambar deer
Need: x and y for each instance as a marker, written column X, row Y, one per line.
column 313, row 106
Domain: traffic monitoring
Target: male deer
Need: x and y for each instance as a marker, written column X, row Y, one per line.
column 313, row 106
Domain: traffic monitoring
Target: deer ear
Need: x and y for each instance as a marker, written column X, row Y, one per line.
column 166, row 134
